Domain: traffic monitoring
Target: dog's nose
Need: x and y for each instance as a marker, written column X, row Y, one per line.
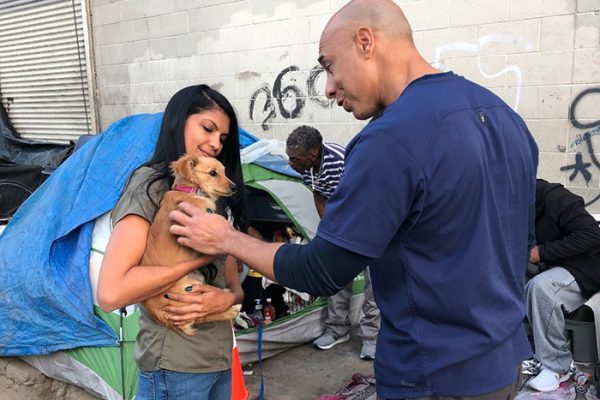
column 233, row 188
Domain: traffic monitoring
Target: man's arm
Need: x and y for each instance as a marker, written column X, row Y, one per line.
column 319, row 268
column 212, row 234
column 581, row 231
column 319, row 203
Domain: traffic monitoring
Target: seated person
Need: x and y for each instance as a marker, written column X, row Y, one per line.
column 568, row 252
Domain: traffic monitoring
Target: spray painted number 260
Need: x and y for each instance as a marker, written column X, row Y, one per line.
column 289, row 100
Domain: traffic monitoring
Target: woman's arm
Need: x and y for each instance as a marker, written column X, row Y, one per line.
column 204, row 300
column 122, row 280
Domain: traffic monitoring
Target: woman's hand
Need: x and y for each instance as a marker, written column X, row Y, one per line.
column 202, row 300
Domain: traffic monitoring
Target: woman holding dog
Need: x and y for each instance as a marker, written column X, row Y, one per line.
column 197, row 120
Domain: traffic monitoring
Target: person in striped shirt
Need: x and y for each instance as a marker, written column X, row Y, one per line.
column 321, row 165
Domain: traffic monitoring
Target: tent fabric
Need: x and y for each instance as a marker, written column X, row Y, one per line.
column 45, row 249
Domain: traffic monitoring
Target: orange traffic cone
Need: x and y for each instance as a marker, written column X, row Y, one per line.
column 238, row 386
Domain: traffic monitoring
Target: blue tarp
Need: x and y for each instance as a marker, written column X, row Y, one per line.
column 46, row 301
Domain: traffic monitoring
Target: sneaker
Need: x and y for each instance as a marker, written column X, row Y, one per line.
column 368, row 350
column 547, row 380
column 326, row 341
column 531, row 367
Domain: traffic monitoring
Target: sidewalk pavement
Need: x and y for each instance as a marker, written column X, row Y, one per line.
column 305, row 373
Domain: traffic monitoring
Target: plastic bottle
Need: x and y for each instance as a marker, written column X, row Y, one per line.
column 257, row 315
column 269, row 312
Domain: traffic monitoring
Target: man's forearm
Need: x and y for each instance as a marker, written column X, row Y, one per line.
column 257, row 254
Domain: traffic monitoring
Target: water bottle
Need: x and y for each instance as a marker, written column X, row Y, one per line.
column 257, row 315
column 269, row 312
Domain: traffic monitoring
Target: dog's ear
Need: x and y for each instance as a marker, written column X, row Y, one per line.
column 184, row 166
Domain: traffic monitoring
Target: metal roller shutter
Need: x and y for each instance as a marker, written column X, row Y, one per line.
column 44, row 62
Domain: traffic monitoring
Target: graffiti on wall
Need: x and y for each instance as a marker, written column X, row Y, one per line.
column 581, row 167
column 285, row 97
column 478, row 48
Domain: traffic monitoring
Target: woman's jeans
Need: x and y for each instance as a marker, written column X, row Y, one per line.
column 172, row 385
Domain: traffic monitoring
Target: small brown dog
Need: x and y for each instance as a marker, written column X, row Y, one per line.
column 199, row 181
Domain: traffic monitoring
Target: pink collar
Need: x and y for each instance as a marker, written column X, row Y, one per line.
column 189, row 189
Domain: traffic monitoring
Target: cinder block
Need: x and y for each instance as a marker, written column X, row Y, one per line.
column 123, row 53
column 548, row 68
column 177, row 69
column 208, row 3
column 586, row 64
column 481, row 70
column 184, row 5
column 173, row 24
column 162, row 49
column 147, row 71
column 304, row 56
column 549, row 167
column 115, row 94
column 469, row 12
column 590, row 197
column 588, row 5
column 306, row 8
column 204, row 19
column 132, row 10
column 238, row 62
column 553, row 101
column 439, row 44
column 427, row 14
column 587, row 30
column 285, row 33
column 111, row 113
column 146, row 28
column 106, row 14
column 316, row 24
column 523, row 9
column 112, row 75
column 511, row 37
column 251, row 37
column 335, row 5
column 551, row 135
column 272, row 10
column 272, row 60
column 205, row 66
column 521, row 100
column 188, row 45
column 586, row 103
column 220, row 41
column 221, row 16
column 557, row 33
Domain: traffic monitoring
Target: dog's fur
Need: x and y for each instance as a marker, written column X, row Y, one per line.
column 208, row 174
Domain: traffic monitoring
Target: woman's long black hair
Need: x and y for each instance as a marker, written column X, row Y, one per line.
column 171, row 143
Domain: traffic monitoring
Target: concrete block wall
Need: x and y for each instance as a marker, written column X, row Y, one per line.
column 541, row 56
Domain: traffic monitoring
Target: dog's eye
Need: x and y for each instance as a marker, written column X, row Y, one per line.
column 213, row 173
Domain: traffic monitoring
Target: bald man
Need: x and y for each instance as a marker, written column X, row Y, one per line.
column 437, row 196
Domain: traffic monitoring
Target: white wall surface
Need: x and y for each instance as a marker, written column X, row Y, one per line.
column 541, row 56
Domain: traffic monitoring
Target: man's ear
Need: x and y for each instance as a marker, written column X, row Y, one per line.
column 365, row 41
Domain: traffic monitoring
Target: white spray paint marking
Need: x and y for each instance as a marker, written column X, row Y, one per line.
column 478, row 49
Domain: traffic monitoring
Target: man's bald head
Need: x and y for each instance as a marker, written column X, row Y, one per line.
column 384, row 17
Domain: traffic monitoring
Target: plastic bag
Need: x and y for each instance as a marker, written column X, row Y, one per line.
column 261, row 148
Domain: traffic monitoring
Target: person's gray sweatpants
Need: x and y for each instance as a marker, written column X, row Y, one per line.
column 337, row 323
column 550, row 294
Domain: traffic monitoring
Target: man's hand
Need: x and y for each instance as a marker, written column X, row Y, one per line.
column 198, row 229
column 534, row 257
